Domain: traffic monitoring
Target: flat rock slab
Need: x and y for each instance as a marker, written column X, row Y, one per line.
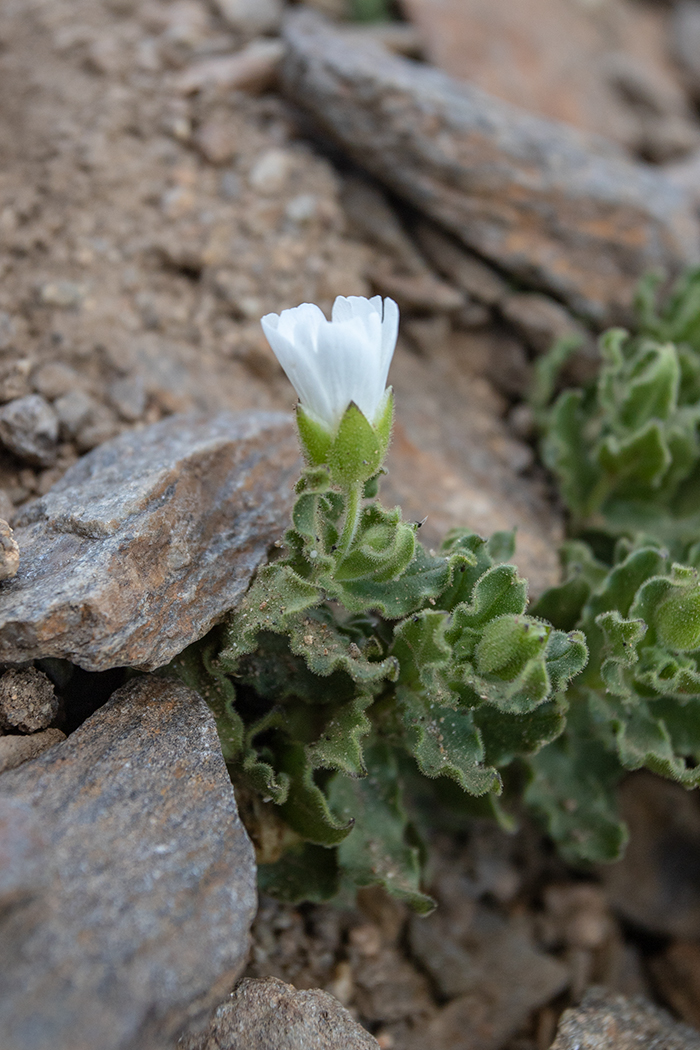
column 604, row 1021
column 558, row 208
column 267, row 1014
column 146, row 542
column 130, row 883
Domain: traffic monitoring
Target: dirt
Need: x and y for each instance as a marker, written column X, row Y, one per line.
column 143, row 232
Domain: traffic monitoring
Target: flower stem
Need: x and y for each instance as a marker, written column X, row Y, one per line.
column 353, row 506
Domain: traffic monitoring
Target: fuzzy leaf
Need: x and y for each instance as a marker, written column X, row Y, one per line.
column 305, row 873
column 572, row 789
column 306, row 808
column 445, row 742
column 378, row 852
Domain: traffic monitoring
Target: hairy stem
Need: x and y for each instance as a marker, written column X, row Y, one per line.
column 353, row 506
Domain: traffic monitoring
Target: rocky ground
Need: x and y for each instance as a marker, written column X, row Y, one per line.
column 170, row 171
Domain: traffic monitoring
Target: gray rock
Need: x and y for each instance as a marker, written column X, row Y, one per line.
column 9, row 551
column 136, row 915
column 29, row 428
column 28, row 702
column 145, row 543
column 685, row 36
column 74, row 409
column 267, row 1014
column 128, row 396
column 604, row 1021
column 560, row 209
column 495, row 978
column 14, row 750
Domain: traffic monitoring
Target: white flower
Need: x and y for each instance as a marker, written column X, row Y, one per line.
column 331, row 363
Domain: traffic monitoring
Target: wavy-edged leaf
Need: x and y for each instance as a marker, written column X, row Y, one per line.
column 378, row 851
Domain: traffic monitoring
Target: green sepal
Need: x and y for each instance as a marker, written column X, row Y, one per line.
column 379, row 851
column 358, row 448
column 314, row 437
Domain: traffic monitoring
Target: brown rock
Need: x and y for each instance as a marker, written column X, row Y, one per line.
column 422, row 291
column 9, row 552
column 14, row 750
column 495, row 977
column 453, row 459
column 656, row 885
column 604, row 1021
column 267, row 1014
column 462, row 267
column 252, row 69
column 551, row 205
column 148, row 540
column 138, row 915
column 676, row 974
column 541, row 321
column 27, row 700
column 602, row 68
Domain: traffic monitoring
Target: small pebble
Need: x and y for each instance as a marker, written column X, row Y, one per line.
column 29, row 428
column 9, row 551
column 28, row 702
column 54, row 379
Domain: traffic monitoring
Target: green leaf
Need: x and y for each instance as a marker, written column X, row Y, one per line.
column 306, row 808
column 383, row 549
column 305, row 873
column 339, row 745
column 378, row 850
column 447, row 743
column 572, row 789
column 510, row 736
column 426, row 578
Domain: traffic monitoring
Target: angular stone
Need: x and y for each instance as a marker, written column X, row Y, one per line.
column 559, row 209
column 656, row 885
column 267, row 1014
column 147, row 541
column 540, row 320
column 14, row 750
column 28, row 702
column 453, row 459
column 29, row 428
column 603, row 1021
column 463, row 268
column 676, row 974
column 495, row 979
column 137, row 915
column 601, row 67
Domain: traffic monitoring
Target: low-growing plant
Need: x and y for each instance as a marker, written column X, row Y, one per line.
column 365, row 685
